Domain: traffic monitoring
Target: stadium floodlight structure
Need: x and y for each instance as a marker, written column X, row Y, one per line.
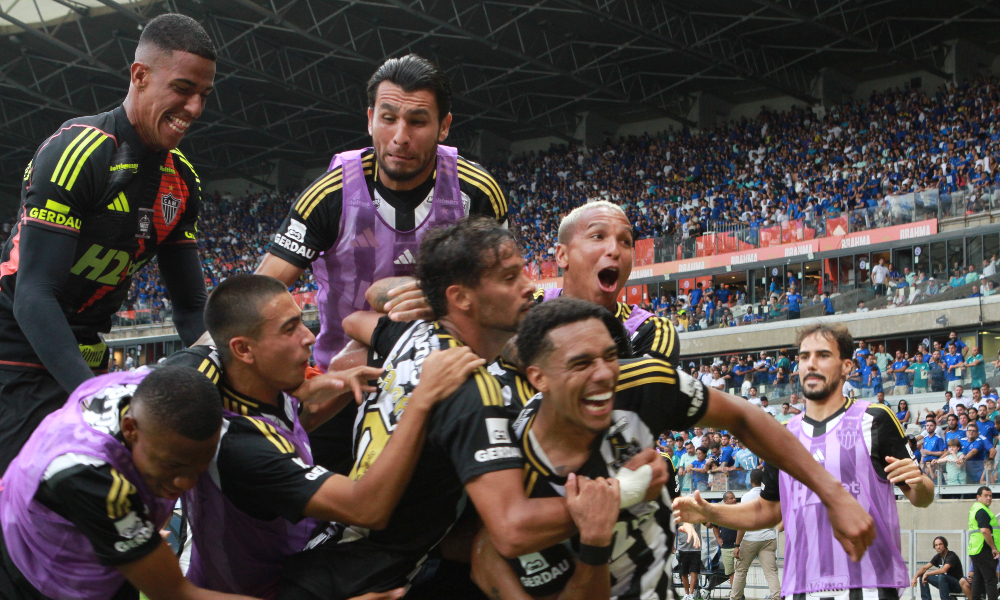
column 292, row 73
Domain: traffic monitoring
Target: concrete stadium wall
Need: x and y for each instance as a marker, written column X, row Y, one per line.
column 879, row 323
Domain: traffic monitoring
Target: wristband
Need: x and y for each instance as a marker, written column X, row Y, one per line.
column 596, row 556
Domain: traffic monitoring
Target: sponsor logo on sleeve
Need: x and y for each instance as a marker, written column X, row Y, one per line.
column 135, row 530
column 296, row 231
column 497, row 431
column 497, row 453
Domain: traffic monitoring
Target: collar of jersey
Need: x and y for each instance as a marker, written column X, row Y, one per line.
column 128, row 134
column 447, row 339
column 843, row 409
column 245, row 405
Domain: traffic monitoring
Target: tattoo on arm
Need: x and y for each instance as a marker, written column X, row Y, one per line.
column 378, row 293
column 495, row 594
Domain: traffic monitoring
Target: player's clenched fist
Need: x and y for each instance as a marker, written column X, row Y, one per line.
column 593, row 504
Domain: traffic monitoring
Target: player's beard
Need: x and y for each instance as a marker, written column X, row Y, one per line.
column 403, row 176
column 822, row 393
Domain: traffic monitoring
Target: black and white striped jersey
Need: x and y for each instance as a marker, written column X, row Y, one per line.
column 651, row 397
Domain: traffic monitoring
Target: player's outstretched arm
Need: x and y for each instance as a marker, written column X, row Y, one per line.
column 743, row 516
column 917, row 487
column 370, row 501
column 774, row 444
column 361, row 325
column 159, row 577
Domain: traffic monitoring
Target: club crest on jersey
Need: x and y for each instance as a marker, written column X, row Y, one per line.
column 847, row 433
column 169, row 205
column 623, row 449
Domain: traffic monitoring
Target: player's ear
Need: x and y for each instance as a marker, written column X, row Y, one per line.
column 459, row 297
column 370, row 113
column 444, row 128
column 130, row 430
column 140, row 74
column 537, row 379
column 562, row 257
column 241, row 349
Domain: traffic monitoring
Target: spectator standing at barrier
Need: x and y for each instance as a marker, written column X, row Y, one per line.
column 762, row 544
column 944, row 571
column 903, row 412
column 953, row 362
column 954, row 463
column 977, row 367
column 902, row 385
column 932, row 447
column 920, row 373
column 827, row 304
column 726, row 538
column 975, row 448
column 962, row 347
column 879, row 274
column 689, row 560
column 936, row 372
column 684, row 470
column 744, row 462
column 983, row 540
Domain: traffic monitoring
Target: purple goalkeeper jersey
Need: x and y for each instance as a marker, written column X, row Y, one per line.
column 814, row 559
column 368, row 249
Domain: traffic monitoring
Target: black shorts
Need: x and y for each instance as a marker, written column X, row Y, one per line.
column 26, row 397
column 689, row 562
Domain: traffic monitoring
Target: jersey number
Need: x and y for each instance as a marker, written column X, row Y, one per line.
column 97, row 263
column 374, row 436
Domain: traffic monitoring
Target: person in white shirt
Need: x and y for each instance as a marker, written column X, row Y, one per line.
column 879, row 274
column 752, row 395
column 717, row 381
column 761, row 544
column 989, row 268
column 774, row 411
column 705, row 376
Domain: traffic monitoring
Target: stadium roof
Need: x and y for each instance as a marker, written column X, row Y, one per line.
column 291, row 73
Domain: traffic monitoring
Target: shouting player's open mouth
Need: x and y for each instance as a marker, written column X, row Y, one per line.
column 177, row 124
column 608, row 279
column 599, row 404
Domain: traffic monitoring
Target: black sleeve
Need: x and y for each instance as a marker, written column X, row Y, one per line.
column 486, row 197
column 673, row 485
column 45, row 261
column 770, row 490
column 313, row 221
column 387, row 333
column 657, row 337
column 473, row 427
column 180, row 267
column 888, row 438
column 665, row 399
column 261, row 473
column 547, row 572
column 203, row 358
column 983, row 520
column 66, row 177
column 105, row 507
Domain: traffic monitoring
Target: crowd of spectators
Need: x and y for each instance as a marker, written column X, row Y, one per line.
column 710, row 460
column 233, row 235
column 778, row 167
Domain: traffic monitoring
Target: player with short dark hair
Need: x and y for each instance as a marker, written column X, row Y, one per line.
column 102, row 196
column 83, row 503
column 263, row 496
column 361, row 222
column 571, row 357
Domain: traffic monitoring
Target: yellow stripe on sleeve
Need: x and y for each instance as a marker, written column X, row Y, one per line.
column 279, row 442
column 309, row 194
column 486, row 178
column 643, row 381
column 81, row 137
column 116, row 483
column 496, row 199
column 899, row 426
column 88, row 144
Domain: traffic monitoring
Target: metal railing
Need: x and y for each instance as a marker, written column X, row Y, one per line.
column 896, row 210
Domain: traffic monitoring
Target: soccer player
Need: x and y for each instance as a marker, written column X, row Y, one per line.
column 864, row 447
column 362, row 220
column 479, row 298
column 102, row 197
column 572, row 359
column 595, row 252
column 83, row 503
column 263, row 497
